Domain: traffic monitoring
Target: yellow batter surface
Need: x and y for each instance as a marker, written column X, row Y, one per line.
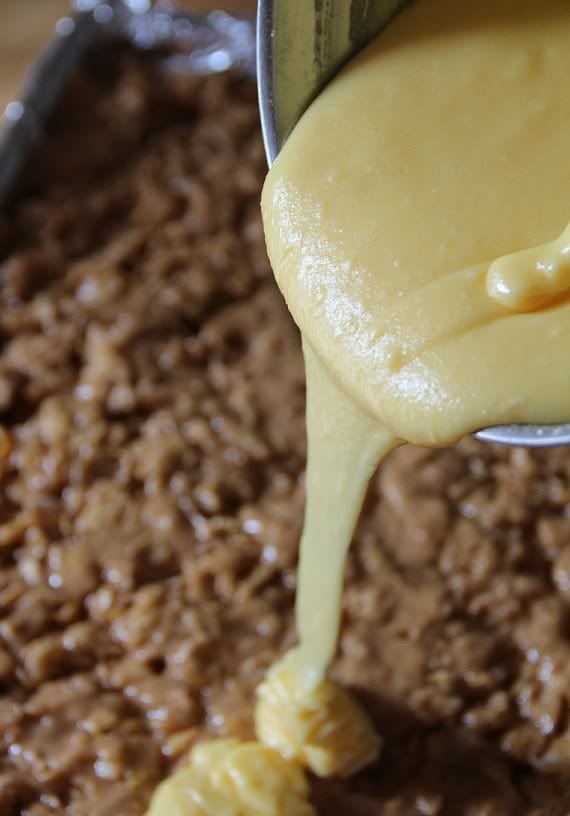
column 443, row 146
column 229, row 778
column 416, row 220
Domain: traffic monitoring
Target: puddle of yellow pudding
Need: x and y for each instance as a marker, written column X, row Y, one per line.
column 302, row 722
column 313, row 721
column 412, row 222
column 229, row 778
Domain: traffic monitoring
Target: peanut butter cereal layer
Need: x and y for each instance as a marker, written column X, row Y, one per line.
column 151, row 460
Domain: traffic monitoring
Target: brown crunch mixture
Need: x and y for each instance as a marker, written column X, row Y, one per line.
column 151, row 462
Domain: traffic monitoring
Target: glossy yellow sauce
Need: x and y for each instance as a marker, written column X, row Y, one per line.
column 532, row 278
column 416, row 223
column 229, row 778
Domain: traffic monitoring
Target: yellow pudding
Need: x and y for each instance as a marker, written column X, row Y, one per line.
column 229, row 778
column 532, row 278
column 412, row 221
column 416, row 223
column 313, row 721
column 440, row 148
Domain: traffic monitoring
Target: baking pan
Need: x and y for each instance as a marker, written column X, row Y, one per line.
column 200, row 44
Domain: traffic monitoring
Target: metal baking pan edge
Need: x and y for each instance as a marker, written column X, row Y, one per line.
column 196, row 43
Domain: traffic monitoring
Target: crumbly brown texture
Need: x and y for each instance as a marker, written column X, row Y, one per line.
column 152, row 395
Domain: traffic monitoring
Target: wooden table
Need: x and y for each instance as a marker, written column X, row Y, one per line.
column 26, row 25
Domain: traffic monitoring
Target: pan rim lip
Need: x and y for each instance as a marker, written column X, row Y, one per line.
column 265, row 55
column 529, row 436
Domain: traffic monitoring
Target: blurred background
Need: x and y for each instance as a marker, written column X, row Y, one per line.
column 27, row 25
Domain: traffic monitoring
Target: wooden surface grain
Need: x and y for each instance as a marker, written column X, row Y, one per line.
column 26, row 25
